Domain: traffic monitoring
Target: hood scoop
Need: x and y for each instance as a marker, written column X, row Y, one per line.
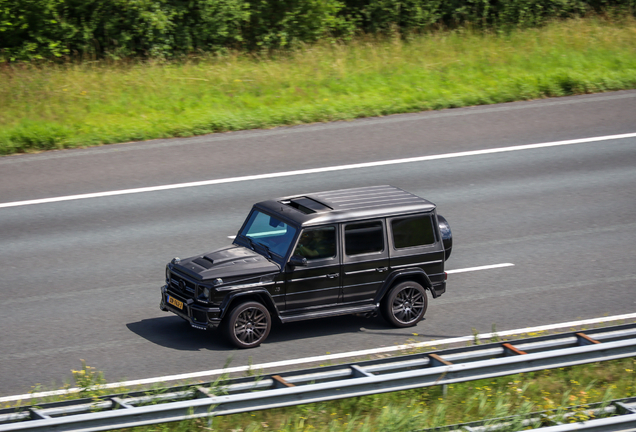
column 204, row 262
column 233, row 261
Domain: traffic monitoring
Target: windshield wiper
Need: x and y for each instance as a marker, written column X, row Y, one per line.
column 254, row 245
column 269, row 252
column 265, row 248
column 250, row 242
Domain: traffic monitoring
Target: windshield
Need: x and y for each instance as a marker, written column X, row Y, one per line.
column 268, row 231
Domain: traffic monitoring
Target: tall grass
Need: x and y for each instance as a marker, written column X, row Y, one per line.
column 557, row 391
column 61, row 106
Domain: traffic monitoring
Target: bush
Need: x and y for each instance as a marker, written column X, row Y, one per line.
column 36, row 29
column 416, row 15
column 49, row 29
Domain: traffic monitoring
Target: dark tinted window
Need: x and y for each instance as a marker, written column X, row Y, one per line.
column 366, row 237
column 317, row 243
column 412, row 231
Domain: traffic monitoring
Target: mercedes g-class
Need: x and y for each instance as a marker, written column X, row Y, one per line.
column 350, row 251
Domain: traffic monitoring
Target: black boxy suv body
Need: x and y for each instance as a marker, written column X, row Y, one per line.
column 323, row 254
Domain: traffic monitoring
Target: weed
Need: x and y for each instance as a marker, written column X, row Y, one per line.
column 494, row 336
column 88, row 380
column 476, row 339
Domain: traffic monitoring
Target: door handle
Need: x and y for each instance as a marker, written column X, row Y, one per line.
column 333, row 275
column 381, row 269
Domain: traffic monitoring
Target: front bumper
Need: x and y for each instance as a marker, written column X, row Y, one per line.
column 199, row 317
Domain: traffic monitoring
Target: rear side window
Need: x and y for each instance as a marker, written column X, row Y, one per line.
column 362, row 238
column 412, row 231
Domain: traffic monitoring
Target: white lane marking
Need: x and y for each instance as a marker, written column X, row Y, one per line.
column 328, row 357
column 486, row 267
column 316, row 170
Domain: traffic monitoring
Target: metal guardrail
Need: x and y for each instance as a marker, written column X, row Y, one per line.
column 326, row 383
column 614, row 424
column 615, row 415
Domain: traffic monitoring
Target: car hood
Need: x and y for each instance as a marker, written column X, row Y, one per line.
column 229, row 262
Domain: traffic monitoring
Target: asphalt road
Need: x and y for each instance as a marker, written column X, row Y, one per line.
column 80, row 279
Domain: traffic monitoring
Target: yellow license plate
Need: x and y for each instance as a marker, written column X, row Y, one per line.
column 173, row 301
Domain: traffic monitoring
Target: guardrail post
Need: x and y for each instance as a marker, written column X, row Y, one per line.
column 621, row 408
column 437, row 361
column 583, row 339
column 279, row 382
column 36, row 414
column 511, row 350
column 203, row 392
column 358, row 372
column 119, row 403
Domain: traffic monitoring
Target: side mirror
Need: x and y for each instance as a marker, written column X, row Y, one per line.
column 297, row 260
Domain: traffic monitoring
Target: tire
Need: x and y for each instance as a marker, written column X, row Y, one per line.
column 248, row 325
column 405, row 304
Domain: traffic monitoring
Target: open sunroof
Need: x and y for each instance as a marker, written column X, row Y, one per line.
column 306, row 205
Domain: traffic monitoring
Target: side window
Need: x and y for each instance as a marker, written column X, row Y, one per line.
column 412, row 231
column 317, row 243
column 363, row 238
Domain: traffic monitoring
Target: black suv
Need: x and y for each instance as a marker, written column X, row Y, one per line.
column 350, row 251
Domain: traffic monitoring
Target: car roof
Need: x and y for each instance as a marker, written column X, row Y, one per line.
column 344, row 205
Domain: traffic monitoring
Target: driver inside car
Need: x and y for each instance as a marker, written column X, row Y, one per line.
column 317, row 243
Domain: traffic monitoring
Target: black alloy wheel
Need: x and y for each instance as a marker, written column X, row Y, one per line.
column 405, row 304
column 248, row 325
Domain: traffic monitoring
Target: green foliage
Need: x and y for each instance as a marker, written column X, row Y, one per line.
column 88, row 380
column 375, row 16
column 50, row 29
column 56, row 106
column 285, row 23
column 36, row 29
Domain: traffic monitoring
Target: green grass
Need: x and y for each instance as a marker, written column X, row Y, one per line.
column 558, row 390
column 50, row 106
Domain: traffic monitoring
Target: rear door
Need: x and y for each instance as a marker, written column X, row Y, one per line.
column 365, row 260
column 414, row 243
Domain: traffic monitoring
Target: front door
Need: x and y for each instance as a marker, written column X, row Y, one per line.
column 316, row 285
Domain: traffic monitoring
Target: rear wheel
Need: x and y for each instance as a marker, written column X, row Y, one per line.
column 248, row 325
column 405, row 304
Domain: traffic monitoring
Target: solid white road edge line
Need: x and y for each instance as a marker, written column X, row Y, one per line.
column 327, row 357
column 316, row 170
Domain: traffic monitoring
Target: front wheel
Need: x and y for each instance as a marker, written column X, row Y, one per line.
column 405, row 304
column 248, row 325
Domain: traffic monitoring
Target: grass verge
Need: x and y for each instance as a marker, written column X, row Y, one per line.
column 75, row 105
column 556, row 390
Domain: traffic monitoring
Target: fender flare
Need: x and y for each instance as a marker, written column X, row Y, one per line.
column 415, row 274
column 261, row 294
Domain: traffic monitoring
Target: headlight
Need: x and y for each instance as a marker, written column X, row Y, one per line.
column 167, row 274
column 206, row 292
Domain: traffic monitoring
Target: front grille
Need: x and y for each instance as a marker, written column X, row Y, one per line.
column 182, row 284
